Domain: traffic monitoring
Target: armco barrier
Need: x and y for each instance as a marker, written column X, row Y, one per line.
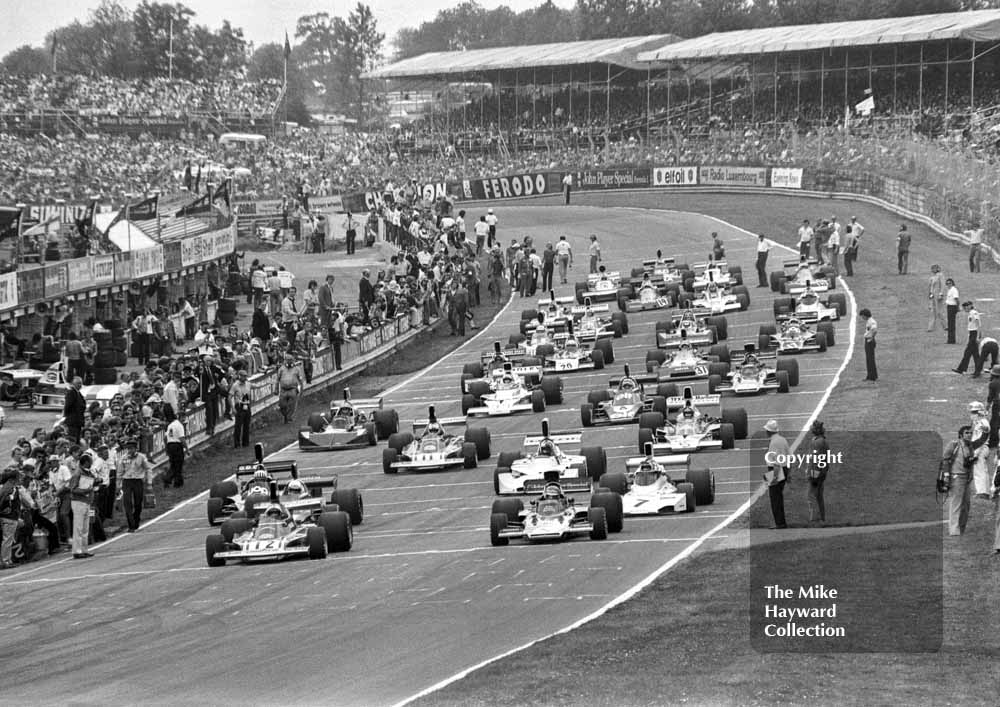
column 355, row 358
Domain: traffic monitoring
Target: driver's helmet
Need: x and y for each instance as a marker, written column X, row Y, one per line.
column 713, row 288
column 295, row 488
column 688, row 413
column 627, row 385
column 274, row 511
column 507, row 379
column 552, row 491
column 645, row 277
column 434, row 428
column 261, row 476
column 547, row 448
column 344, row 411
column 646, row 465
column 570, row 345
column 539, row 330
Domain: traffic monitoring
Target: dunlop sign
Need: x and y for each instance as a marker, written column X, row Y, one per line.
column 674, row 176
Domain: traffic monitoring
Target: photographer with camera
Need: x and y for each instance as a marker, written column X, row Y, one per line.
column 955, row 478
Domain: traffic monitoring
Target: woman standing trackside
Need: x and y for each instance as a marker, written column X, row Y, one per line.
column 816, row 468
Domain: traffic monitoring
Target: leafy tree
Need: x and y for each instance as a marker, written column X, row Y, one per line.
column 268, row 62
column 152, row 32
column 26, row 61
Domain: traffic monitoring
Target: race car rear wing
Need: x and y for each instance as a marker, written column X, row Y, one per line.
column 419, row 424
column 594, row 277
column 657, row 262
column 558, row 438
column 558, row 300
column 720, row 264
column 679, row 401
column 796, row 263
column 363, row 404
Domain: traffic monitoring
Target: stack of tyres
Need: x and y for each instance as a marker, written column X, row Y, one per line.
column 110, row 355
column 227, row 310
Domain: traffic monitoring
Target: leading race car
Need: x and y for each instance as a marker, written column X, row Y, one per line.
column 797, row 275
column 716, row 299
column 350, row 423
column 434, row 448
column 687, row 362
column 555, row 516
column 248, row 493
column 284, row 528
column 792, row 336
column 518, row 474
column 508, row 393
column 624, row 401
column 717, row 271
column 647, row 488
column 646, row 295
column 810, row 307
column 697, row 328
column 602, row 286
column 693, row 429
column 541, row 342
column 756, row 373
column 480, row 378
column 552, row 313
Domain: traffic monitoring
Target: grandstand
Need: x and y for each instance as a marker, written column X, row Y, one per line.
column 924, row 65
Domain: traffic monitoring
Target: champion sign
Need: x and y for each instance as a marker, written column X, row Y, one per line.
column 674, row 176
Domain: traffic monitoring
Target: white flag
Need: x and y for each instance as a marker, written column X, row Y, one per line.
column 866, row 106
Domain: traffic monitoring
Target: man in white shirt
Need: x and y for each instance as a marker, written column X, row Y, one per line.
column 285, row 280
column 176, row 449
column 935, row 294
column 951, row 297
column 567, row 185
column 833, row 250
column 482, row 229
column 204, row 340
column 975, row 236
column 763, row 248
column 858, row 230
column 171, row 393
column 460, row 223
column 971, row 353
column 595, row 254
column 565, row 255
column 274, row 289
column 491, row 221
column 805, row 237
column 871, row 330
column 187, row 311
column 258, row 281
column 289, row 316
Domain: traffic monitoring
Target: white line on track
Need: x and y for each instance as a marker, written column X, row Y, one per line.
column 696, row 542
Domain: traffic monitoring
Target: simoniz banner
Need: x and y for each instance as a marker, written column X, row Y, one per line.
column 512, row 186
column 733, row 176
column 675, row 176
column 786, row 177
column 613, row 179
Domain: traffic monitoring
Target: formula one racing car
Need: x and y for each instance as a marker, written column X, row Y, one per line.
column 647, row 488
column 624, row 401
column 434, row 448
column 517, row 473
column 756, row 373
column 350, row 424
column 692, row 429
column 792, row 336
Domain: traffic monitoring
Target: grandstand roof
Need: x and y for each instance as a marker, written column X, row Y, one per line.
column 619, row 51
column 980, row 25
column 127, row 235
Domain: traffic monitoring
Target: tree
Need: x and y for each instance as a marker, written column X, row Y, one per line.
column 268, row 62
column 26, row 61
column 361, row 52
column 334, row 53
column 152, row 32
column 114, row 45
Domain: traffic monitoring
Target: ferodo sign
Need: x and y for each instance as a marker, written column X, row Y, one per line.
column 511, row 186
column 675, row 176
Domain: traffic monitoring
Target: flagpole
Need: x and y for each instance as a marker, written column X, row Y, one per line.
column 170, row 52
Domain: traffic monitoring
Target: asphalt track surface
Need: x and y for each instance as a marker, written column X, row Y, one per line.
column 422, row 595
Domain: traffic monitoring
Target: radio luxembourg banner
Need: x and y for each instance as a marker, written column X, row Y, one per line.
column 681, row 176
column 786, row 177
column 733, row 176
column 511, row 186
column 624, row 178
column 8, row 291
